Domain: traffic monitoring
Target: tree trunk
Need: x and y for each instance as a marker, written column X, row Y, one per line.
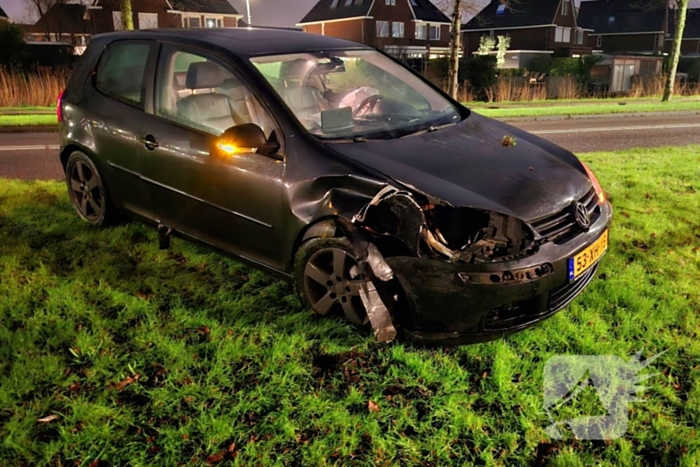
column 455, row 45
column 681, row 15
column 127, row 16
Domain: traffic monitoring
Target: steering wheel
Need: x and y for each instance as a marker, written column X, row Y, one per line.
column 367, row 104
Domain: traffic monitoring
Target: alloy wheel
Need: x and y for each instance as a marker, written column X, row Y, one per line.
column 86, row 191
column 330, row 287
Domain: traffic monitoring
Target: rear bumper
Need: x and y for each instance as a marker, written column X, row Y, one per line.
column 461, row 303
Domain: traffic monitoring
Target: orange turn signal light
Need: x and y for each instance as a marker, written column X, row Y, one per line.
column 598, row 190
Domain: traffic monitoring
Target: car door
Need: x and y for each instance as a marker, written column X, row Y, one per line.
column 233, row 203
column 117, row 109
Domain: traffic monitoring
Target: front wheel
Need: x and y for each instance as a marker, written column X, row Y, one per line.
column 322, row 274
column 87, row 191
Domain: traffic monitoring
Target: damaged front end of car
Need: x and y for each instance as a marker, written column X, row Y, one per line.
column 455, row 274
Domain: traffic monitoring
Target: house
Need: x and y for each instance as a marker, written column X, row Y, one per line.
column 690, row 46
column 535, row 27
column 626, row 26
column 407, row 28
column 74, row 22
column 3, row 16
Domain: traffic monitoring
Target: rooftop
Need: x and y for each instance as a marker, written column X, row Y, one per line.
column 498, row 15
column 622, row 16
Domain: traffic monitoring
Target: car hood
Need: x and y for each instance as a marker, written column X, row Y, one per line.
column 469, row 165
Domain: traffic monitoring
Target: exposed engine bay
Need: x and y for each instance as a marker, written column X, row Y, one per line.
column 432, row 230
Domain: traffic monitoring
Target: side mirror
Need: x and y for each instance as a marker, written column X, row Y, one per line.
column 244, row 138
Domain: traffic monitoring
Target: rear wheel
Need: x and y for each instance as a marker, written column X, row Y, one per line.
column 322, row 273
column 87, row 191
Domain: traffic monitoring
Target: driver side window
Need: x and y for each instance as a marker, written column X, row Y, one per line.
column 202, row 93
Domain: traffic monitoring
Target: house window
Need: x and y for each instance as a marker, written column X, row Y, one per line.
column 434, row 33
column 348, row 2
column 391, row 2
column 501, row 9
column 382, row 28
column 210, row 22
column 148, row 20
column 562, row 35
column 421, row 31
column 579, row 36
column 397, row 29
column 117, row 20
column 335, row 4
column 565, row 8
column 599, row 41
column 192, row 22
column 611, row 20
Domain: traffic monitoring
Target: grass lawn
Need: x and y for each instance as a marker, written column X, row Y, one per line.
column 113, row 352
column 28, row 108
column 593, row 108
column 28, row 120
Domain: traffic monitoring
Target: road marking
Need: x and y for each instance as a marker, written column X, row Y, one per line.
column 619, row 128
column 44, row 147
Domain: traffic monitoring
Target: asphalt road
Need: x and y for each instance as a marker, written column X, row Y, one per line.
column 33, row 156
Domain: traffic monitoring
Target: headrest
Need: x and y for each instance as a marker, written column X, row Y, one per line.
column 203, row 75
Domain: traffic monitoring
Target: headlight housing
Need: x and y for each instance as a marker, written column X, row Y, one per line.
column 476, row 236
column 598, row 190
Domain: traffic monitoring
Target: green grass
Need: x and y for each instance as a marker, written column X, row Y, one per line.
column 28, row 120
column 582, row 101
column 225, row 364
column 592, row 109
column 28, row 108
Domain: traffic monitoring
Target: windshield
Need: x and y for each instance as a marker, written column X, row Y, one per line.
column 355, row 93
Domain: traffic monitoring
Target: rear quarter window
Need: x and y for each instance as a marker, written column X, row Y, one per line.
column 120, row 72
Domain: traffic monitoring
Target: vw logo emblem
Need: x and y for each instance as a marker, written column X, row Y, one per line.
column 581, row 215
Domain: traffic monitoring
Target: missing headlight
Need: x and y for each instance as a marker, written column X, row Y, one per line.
column 472, row 235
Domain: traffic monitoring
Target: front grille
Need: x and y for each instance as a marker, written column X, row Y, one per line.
column 564, row 295
column 561, row 226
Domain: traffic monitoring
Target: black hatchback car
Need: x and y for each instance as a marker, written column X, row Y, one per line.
column 331, row 163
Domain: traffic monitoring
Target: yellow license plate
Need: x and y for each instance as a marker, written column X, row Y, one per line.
column 583, row 261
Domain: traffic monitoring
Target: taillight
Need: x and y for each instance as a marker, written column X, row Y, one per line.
column 59, row 107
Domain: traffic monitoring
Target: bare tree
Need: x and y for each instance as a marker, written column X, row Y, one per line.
column 127, row 16
column 681, row 15
column 40, row 8
column 457, row 9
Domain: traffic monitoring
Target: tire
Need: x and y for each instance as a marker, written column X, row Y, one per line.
column 87, row 191
column 322, row 275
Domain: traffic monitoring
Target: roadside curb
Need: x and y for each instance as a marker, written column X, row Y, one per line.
column 29, row 129
column 596, row 116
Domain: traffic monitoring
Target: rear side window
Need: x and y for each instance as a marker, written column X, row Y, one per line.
column 120, row 72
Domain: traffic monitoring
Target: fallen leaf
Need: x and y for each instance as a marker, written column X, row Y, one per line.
column 129, row 380
column 216, row 458
column 48, row 419
column 373, row 407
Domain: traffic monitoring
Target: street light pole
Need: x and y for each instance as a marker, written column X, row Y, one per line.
column 247, row 4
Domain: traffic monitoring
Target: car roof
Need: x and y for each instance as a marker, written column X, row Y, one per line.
column 246, row 42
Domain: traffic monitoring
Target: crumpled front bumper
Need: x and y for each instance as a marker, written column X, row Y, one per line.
column 457, row 303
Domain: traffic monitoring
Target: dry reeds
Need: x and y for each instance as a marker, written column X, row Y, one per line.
column 39, row 87
column 516, row 89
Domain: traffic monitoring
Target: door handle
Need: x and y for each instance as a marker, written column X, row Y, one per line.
column 150, row 142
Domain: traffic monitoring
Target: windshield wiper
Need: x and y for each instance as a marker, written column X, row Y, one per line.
column 430, row 129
